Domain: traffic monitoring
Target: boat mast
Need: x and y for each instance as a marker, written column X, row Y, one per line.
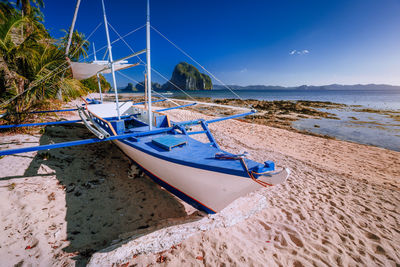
column 148, row 66
column 97, row 74
column 111, row 60
column 71, row 30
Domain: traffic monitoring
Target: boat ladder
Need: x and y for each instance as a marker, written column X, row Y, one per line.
column 91, row 124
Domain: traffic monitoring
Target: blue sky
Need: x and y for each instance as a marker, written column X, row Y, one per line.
column 285, row 43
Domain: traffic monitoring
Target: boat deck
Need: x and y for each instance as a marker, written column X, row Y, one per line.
column 193, row 153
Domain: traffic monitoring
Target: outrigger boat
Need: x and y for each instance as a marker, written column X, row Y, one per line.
column 200, row 173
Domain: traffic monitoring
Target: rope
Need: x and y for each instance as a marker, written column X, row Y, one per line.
column 241, row 157
column 31, row 86
column 120, row 37
column 186, row 54
column 116, row 40
column 133, row 51
column 250, row 173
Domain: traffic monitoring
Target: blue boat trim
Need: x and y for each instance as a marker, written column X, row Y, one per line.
column 133, row 144
column 209, row 134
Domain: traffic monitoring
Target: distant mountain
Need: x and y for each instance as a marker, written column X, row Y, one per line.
column 249, row 87
column 313, row 87
column 188, row 77
column 154, row 86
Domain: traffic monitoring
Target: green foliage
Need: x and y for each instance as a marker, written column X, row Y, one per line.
column 92, row 85
column 78, row 46
column 32, row 62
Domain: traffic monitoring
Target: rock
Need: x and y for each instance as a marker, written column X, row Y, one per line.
column 188, row 77
column 140, row 86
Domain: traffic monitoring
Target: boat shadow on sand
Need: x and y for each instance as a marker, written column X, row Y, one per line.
column 106, row 195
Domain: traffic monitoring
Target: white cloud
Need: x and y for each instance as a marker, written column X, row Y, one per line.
column 299, row 52
column 243, row 70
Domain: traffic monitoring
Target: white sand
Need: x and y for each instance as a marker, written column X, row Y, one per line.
column 341, row 206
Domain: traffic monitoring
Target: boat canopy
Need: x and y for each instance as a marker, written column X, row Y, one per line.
column 81, row 71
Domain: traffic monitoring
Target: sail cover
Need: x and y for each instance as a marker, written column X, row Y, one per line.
column 81, row 71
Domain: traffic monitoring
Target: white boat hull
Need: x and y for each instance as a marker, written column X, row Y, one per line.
column 212, row 190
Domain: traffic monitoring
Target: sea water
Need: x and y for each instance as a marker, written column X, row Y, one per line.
column 377, row 99
column 368, row 128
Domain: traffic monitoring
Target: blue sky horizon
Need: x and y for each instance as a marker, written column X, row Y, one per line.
column 285, row 43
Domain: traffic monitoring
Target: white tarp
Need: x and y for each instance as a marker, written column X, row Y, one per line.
column 81, row 71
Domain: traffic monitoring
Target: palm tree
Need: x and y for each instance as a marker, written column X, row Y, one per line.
column 79, row 45
column 31, row 65
column 6, row 9
column 28, row 8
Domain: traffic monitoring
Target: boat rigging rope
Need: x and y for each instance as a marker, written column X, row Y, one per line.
column 223, row 156
column 133, row 80
column 176, row 86
column 162, row 76
column 186, row 54
column 116, row 40
column 31, row 86
column 133, row 51
column 120, row 37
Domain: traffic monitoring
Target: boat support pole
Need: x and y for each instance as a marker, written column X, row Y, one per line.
column 111, row 60
column 183, row 106
column 232, row 117
column 148, row 61
column 97, row 74
column 79, row 142
column 57, row 122
column 193, row 122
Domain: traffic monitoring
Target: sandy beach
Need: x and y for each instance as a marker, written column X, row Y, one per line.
column 91, row 205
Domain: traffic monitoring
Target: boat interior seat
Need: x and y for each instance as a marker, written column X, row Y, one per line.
column 169, row 142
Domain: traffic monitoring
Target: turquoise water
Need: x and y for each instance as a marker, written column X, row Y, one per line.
column 369, row 128
column 378, row 99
